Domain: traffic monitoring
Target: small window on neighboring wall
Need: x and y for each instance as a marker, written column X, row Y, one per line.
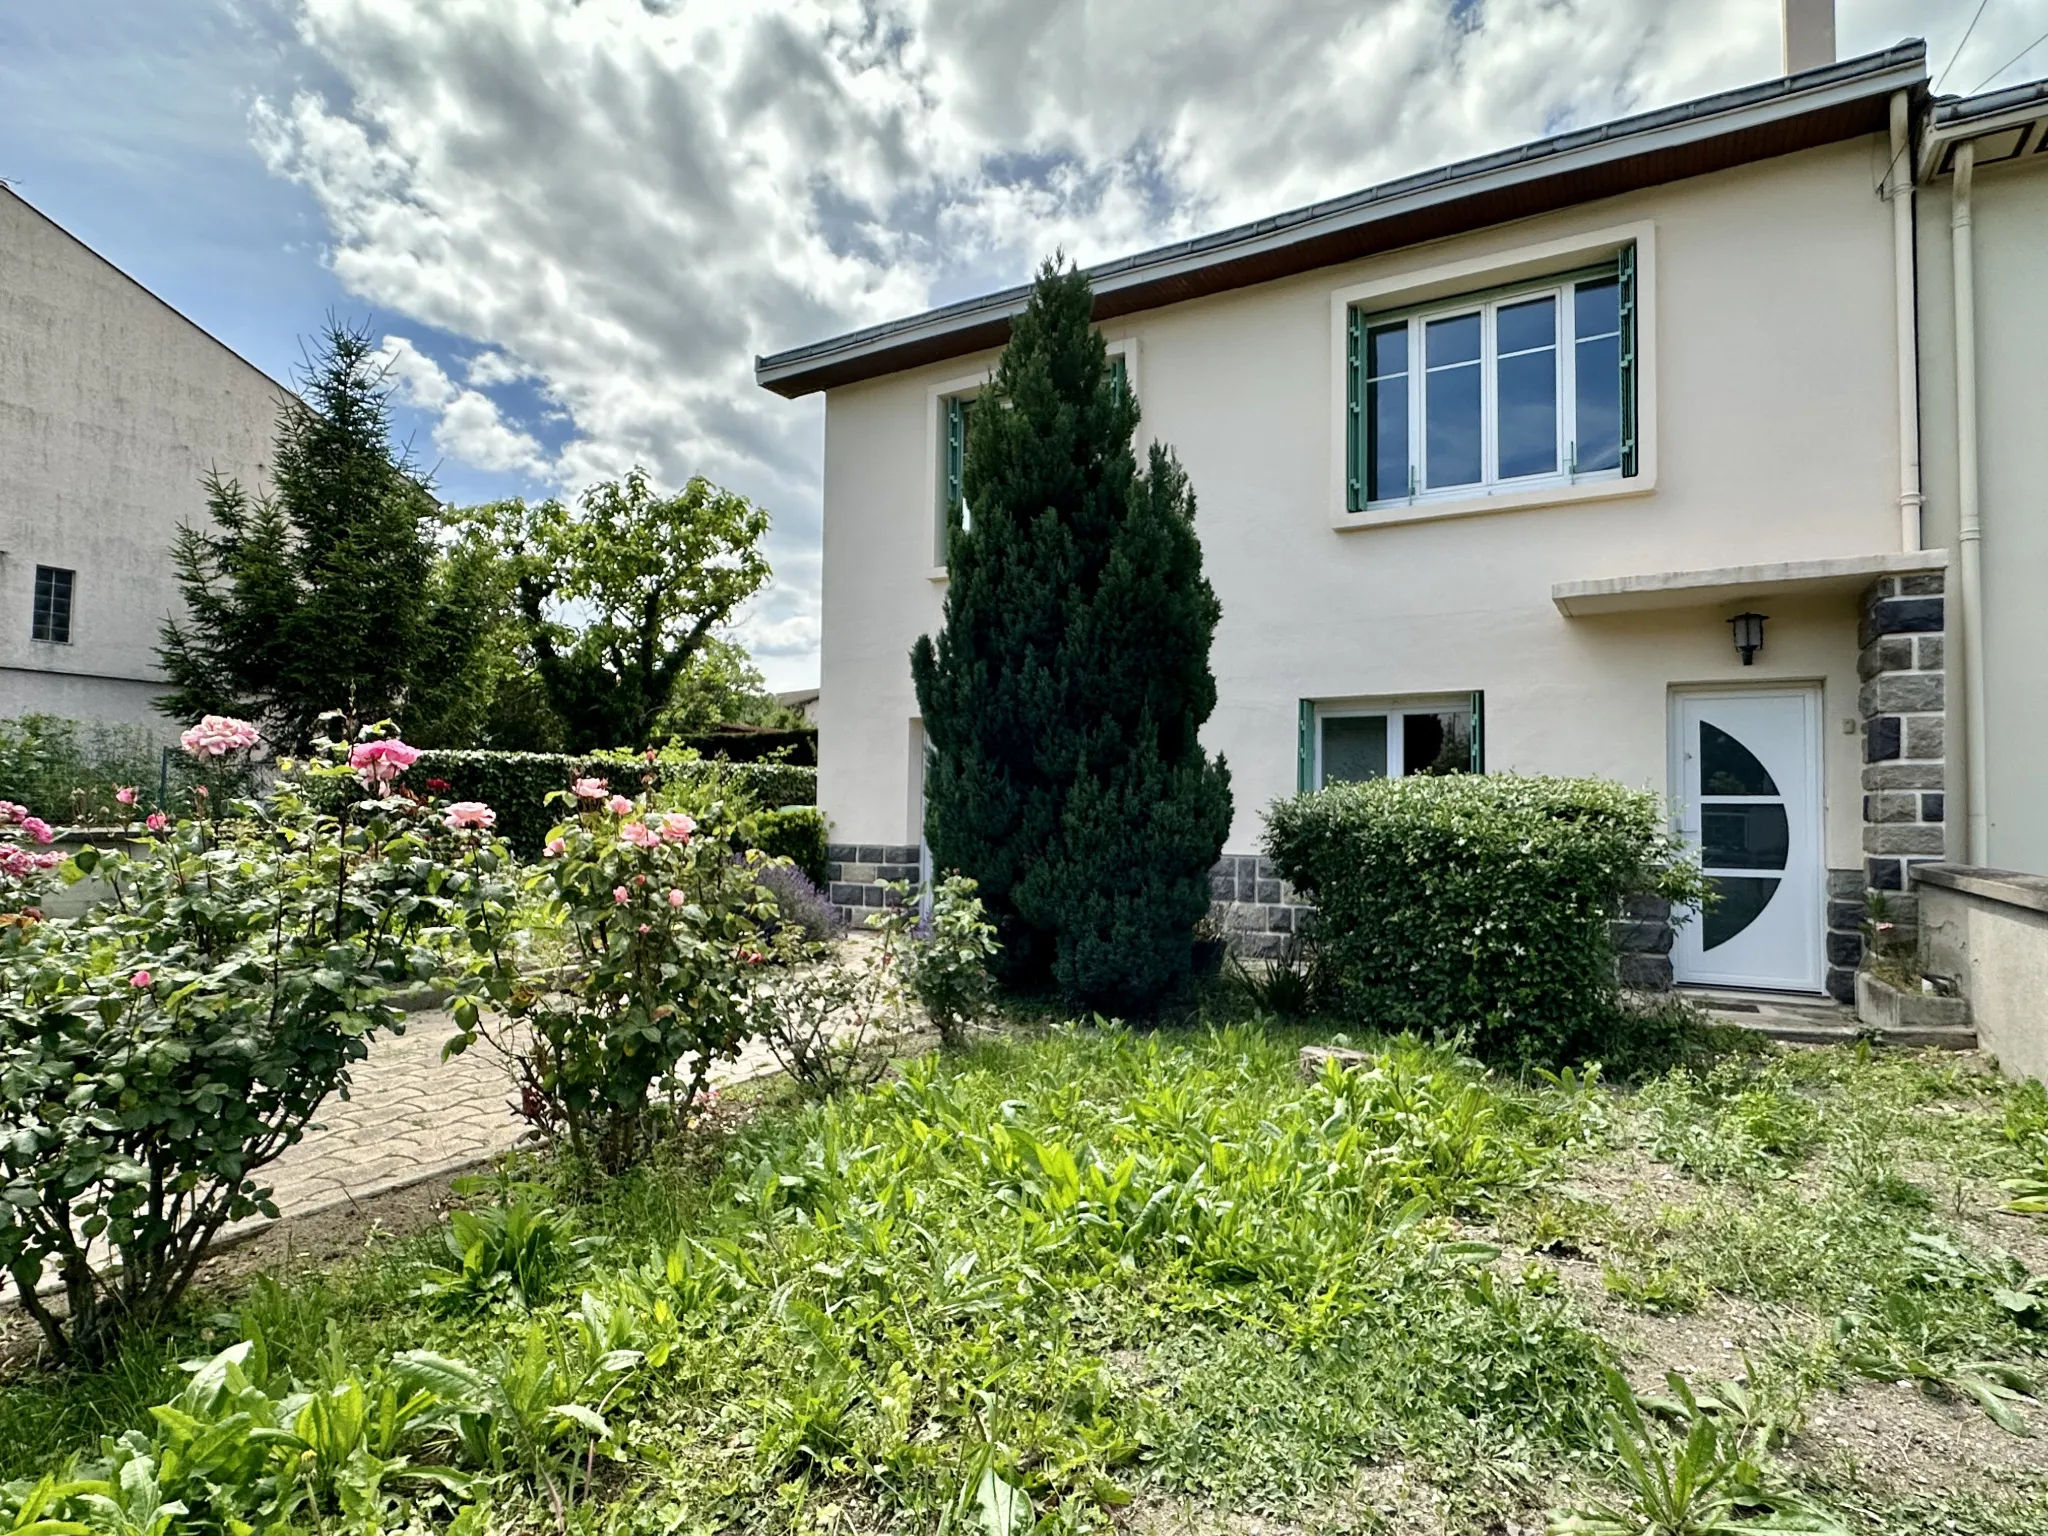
column 1348, row 743
column 52, row 618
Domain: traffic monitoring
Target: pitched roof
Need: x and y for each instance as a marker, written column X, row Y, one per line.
column 1712, row 133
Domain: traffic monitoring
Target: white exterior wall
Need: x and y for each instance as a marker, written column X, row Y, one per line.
column 112, row 408
column 1770, row 416
column 2010, row 212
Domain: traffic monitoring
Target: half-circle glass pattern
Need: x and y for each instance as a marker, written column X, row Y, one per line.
column 1742, row 901
column 1727, row 767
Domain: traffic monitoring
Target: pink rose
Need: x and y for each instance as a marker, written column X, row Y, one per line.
column 10, row 812
column 157, row 821
column 589, row 789
column 676, row 898
column 139, row 979
column 125, row 795
column 641, row 929
column 218, row 735
column 676, row 827
column 377, row 763
column 37, row 828
column 555, row 848
column 619, row 805
column 620, row 895
column 638, row 834
column 470, row 813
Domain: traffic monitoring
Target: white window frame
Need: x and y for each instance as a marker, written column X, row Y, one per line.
column 1564, row 344
column 1444, row 288
column 1394, row 711
column 969, row 387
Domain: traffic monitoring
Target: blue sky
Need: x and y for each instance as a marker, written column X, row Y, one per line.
column 578, row 223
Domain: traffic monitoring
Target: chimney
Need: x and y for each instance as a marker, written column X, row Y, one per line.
column 1809, row 34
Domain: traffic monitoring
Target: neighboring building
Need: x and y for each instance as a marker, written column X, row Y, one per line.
column 1995, row 148
column 113, row 407
column 801, row 701
column 1488, row 461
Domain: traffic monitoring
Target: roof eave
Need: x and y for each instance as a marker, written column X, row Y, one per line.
column 1718, row 132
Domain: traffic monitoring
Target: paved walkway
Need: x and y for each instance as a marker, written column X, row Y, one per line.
column 410, row 1116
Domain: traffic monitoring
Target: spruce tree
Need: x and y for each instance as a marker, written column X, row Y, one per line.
column 322, row 594
column 1064, row 697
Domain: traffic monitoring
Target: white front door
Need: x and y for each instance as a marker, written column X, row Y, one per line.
column 1746, row 779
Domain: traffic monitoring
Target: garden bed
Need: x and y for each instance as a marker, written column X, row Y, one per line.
column 1158, row 1282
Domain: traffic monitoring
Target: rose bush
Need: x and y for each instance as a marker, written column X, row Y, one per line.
column 24, row 867
column 161, row 1050
column 664, row 926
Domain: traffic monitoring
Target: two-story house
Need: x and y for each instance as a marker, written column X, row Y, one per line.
column 113, row 407
column 1594, row 456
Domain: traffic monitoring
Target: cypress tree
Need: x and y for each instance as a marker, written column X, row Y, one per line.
column 1064, row 697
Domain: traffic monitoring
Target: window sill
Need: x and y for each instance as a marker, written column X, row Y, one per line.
column 1507, row 501
column 936, row 573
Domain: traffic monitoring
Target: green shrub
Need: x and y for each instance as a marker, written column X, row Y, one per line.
column 1479, row 903
column 947, row 962
column 795, row 833
column 516, row 784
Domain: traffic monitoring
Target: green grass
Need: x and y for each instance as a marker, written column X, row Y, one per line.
column 1096, row 1265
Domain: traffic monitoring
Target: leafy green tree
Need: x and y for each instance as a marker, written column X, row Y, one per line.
column 616, row 601
column 721, row 686
column 1064, row 696
column 322, row 593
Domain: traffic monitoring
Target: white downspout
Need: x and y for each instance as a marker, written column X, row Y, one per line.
column 1970, row 533
column 1905, row 286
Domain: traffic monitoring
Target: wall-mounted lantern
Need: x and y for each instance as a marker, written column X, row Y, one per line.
column 1749, row 634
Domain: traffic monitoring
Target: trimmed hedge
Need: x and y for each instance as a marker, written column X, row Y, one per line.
column 516, row 784
column 1479, row 903
column 795, row 833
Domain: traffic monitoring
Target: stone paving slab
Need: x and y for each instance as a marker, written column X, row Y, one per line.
column 411, row 1116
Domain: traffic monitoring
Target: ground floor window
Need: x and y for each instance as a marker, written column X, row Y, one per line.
column 1346, row 742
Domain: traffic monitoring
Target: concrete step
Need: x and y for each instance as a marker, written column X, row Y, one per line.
column 1801, row 1020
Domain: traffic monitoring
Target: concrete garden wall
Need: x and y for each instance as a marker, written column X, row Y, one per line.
column 1987, row 930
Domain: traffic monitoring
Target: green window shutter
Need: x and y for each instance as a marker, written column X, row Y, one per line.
column 1305, row 748
column 1119, row 374
column 1354, row 412
column 1628, row 359
column 953, row 474
column 1478, row 731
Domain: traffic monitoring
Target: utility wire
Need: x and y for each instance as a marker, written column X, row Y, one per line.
column 1951, row 64
column 2008, row 64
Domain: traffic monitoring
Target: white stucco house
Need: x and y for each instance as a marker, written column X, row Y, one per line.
column 1599, row 455
column 113, row 407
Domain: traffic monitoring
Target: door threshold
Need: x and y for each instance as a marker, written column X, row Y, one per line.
column 1724, row 992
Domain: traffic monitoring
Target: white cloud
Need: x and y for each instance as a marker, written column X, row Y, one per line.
column 623, row 201
column 467, row 425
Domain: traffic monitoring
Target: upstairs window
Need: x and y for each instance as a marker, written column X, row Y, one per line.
column 51, row 620
column 956, row 425
column 1526, row 386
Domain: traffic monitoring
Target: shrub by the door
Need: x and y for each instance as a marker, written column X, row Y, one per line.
column 1479, row 903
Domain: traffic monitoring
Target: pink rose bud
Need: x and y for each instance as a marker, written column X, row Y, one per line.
column 556, row 848
column 620, row 895
column 676, row 898
column 157, row 821
column 139, row 979
column 125, row 794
